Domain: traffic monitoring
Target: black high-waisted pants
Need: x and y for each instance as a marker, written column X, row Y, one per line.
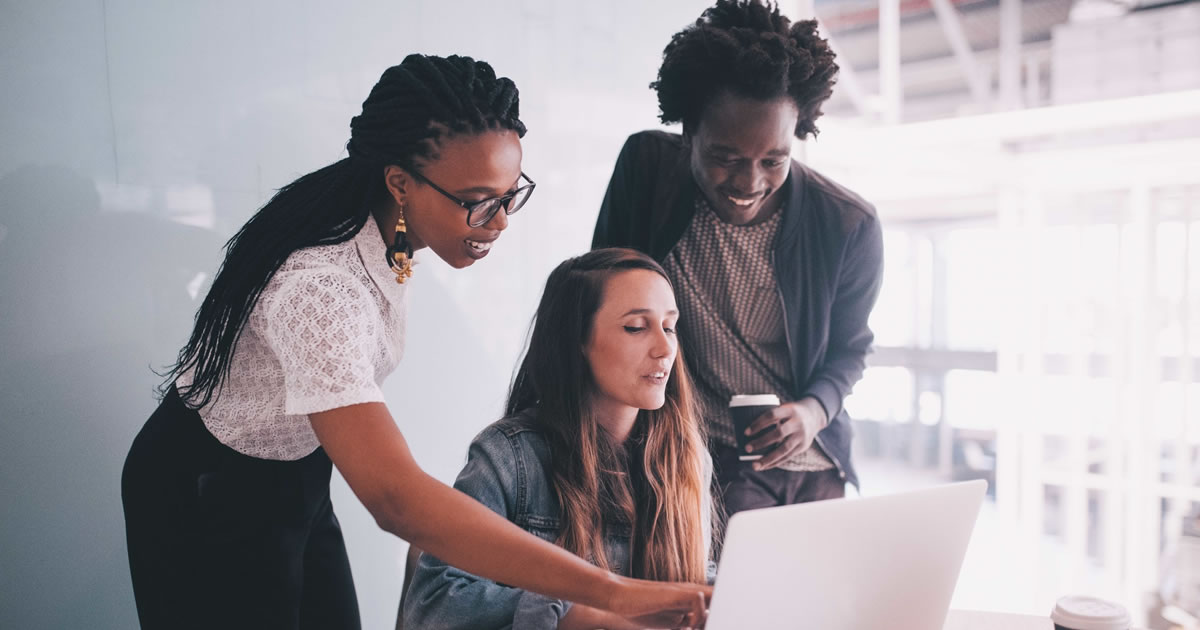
column 218, row 539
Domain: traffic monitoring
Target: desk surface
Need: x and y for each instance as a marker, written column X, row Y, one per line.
column 976, row 620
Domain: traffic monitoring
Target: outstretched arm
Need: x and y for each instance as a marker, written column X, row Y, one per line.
column 372, row 455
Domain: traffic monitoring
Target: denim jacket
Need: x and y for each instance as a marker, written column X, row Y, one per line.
column 507, row 470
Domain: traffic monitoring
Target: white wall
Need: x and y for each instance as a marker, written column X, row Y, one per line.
column 137, row 136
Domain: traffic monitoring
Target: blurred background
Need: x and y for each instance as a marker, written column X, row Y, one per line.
column 1036, row 166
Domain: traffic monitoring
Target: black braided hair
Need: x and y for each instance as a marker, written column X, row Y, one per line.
column 409, row 110
column 750, row 49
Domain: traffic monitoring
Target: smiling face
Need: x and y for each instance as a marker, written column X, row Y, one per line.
column 632, row 346
column 471, row 167
column 741, row 155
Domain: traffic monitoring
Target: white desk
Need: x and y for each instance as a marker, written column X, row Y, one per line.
column 976, row 620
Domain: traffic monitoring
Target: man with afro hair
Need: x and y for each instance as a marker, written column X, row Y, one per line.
column 776, row 268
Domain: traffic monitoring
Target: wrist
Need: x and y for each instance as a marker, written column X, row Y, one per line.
column 816, row 411
column 584, row 617
column 610, row 591
column 579, row 616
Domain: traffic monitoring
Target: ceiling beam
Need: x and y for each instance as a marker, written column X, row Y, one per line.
column 848, row 82
column 1010, row 54
column 977, row 80
column 890, row 88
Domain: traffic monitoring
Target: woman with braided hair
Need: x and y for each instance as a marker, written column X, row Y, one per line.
column 226, row 487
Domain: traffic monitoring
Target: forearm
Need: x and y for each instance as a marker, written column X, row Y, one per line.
column 467, row 535
column 850, row 335
column 581, row 617
column 370, row 452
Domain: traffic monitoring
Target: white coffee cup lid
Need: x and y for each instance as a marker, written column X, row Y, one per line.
column 1080, row 612
column 753, row 400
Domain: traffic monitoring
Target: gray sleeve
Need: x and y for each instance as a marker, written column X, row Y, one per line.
column 850, row 337
column 442, row 597
column 614, row 224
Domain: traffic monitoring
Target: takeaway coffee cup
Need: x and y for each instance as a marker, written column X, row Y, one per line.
column 743, row 410
column 1080, row 612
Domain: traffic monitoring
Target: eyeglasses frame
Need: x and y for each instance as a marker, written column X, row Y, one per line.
column 505, row 199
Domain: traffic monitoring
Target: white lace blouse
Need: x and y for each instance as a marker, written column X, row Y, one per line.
column 325, row 332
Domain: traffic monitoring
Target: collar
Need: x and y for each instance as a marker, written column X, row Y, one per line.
column 373, row 252
column 794, row 205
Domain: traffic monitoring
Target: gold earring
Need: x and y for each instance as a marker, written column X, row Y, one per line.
column 399, row 255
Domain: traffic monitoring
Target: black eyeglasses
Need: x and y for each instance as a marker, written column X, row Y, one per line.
column 480, row 212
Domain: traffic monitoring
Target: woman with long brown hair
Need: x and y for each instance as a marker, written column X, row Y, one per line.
column 600, row 451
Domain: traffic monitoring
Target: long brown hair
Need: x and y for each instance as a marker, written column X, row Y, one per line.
column 657, row 485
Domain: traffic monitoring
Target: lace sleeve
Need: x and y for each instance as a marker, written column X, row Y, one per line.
column 325, row 329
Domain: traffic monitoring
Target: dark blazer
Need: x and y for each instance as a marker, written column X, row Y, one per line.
column 828, row 261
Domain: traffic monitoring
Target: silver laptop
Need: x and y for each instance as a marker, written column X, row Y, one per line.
column 847, row 564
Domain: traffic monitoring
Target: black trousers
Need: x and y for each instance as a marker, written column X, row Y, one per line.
column 218, row 539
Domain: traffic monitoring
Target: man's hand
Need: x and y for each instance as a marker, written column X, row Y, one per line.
column 790, row 428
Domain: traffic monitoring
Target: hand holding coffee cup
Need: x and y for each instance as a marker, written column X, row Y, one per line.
column 744, row 409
